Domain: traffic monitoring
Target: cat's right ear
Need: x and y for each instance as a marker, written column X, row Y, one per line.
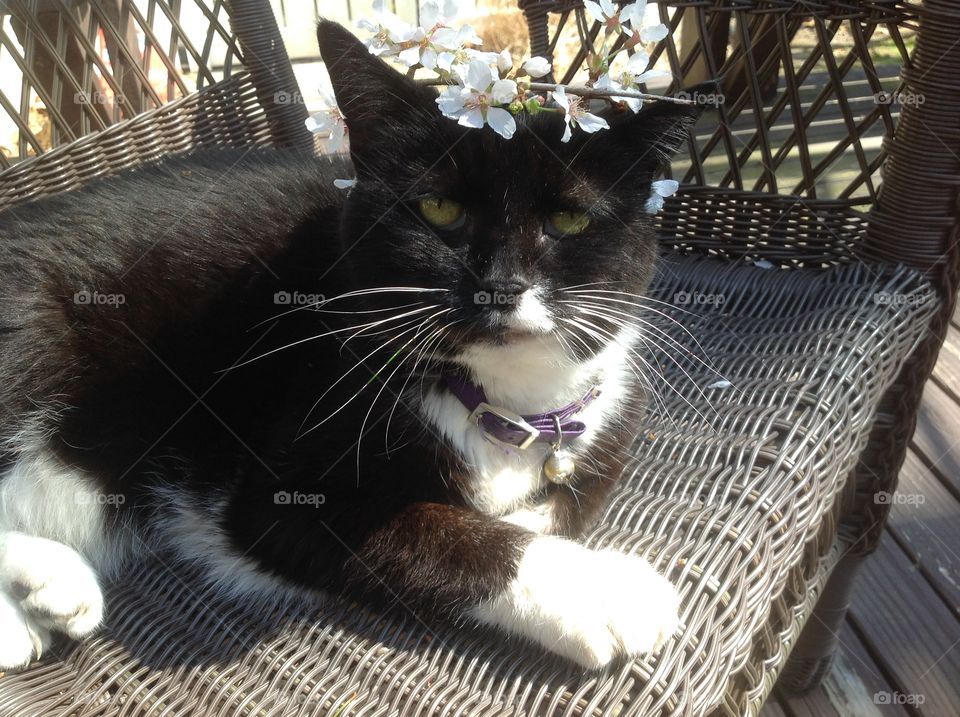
column 376, row 101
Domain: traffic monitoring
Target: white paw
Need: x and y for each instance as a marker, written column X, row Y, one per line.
column 50, row 584
column 589, row 606
column 20, row 639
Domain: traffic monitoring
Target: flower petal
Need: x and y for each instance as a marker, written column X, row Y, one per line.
column 344, row 183
column 537, row 66
column 473, row 118
column 605, row 83
column 488, row 58
column 501, row 121
column 479, row 75
column 318, row 122
column 633, row 13
column 665, row 187
column 638, row 62
column 451, row 9
column 653, row 204
column 591, row 123
column 410, row 56
column 450, row 102
column 504, row 92
column 428, row 58
column 560, row 97
column 609, row 9
column 594, row 11
column 650, row 75
column 445, row 38
column 655, row 33
column 445, row 60
column 466, row 35
column 505, row 61
column 429, row 13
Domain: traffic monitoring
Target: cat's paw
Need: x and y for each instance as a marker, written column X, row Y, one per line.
column 20, row 639
column 587, row 605
column 52, row 586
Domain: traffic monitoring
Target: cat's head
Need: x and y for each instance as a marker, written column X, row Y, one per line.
column 504, row 231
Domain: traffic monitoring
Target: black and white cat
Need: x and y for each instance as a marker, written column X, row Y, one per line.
column 190, row 353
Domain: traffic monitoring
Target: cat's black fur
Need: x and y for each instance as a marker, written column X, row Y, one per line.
column 162, row 389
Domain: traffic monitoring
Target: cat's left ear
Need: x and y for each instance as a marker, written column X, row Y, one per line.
column 376, row 100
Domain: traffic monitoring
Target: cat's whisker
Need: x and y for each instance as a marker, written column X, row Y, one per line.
column 350, row 294
column 333, row 332
column 649, row 342
column 603, row 335
column 386, row 382
column 651, row 309
column 359, row 363
column 363, row 330
column 420, row 353
column 643, row 324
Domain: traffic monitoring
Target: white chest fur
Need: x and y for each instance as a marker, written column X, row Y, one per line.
column 529, row 376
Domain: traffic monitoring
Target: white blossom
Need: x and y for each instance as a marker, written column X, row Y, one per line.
column 605, row 12
column 344, row 183
column 634, row 15
column 475, row 102
column 419, row 45
column 504, row 61
column 659, row 190
column 328, row 120
column 536, row 67
column 629, row 76
column 576, row 115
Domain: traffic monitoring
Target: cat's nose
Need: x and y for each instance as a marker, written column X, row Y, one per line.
column 502, row 294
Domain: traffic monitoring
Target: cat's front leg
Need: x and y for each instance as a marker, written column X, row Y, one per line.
column 590, row 606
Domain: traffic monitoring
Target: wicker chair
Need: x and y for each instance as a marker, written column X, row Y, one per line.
column 759, row 485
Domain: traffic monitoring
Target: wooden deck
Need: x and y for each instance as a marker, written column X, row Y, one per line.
column 901, row 640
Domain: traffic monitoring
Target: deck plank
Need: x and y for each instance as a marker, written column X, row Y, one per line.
column 851, row 688
column 924, row 522
column 936, row 439
column 908, row 630
column 947, row 371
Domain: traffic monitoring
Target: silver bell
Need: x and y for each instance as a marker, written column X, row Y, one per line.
column 559, row 467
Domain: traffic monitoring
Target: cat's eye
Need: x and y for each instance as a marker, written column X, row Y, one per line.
column 442, row 213
column 567, row 223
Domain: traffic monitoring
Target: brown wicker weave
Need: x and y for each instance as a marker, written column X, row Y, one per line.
column 757, row 498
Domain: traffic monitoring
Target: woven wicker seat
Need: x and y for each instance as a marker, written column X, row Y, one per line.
column 810, row 321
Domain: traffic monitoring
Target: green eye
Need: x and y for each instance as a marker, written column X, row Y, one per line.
column 567, row 223
column 442, row 213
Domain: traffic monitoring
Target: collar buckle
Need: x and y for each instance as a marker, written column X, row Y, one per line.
column 513, row 421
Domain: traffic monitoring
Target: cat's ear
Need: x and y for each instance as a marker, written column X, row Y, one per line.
column 652, row 136
column 376, row 100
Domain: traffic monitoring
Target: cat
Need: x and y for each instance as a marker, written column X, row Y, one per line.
column 225, row 357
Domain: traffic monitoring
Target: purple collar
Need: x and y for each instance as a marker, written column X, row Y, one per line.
column 510, row 429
